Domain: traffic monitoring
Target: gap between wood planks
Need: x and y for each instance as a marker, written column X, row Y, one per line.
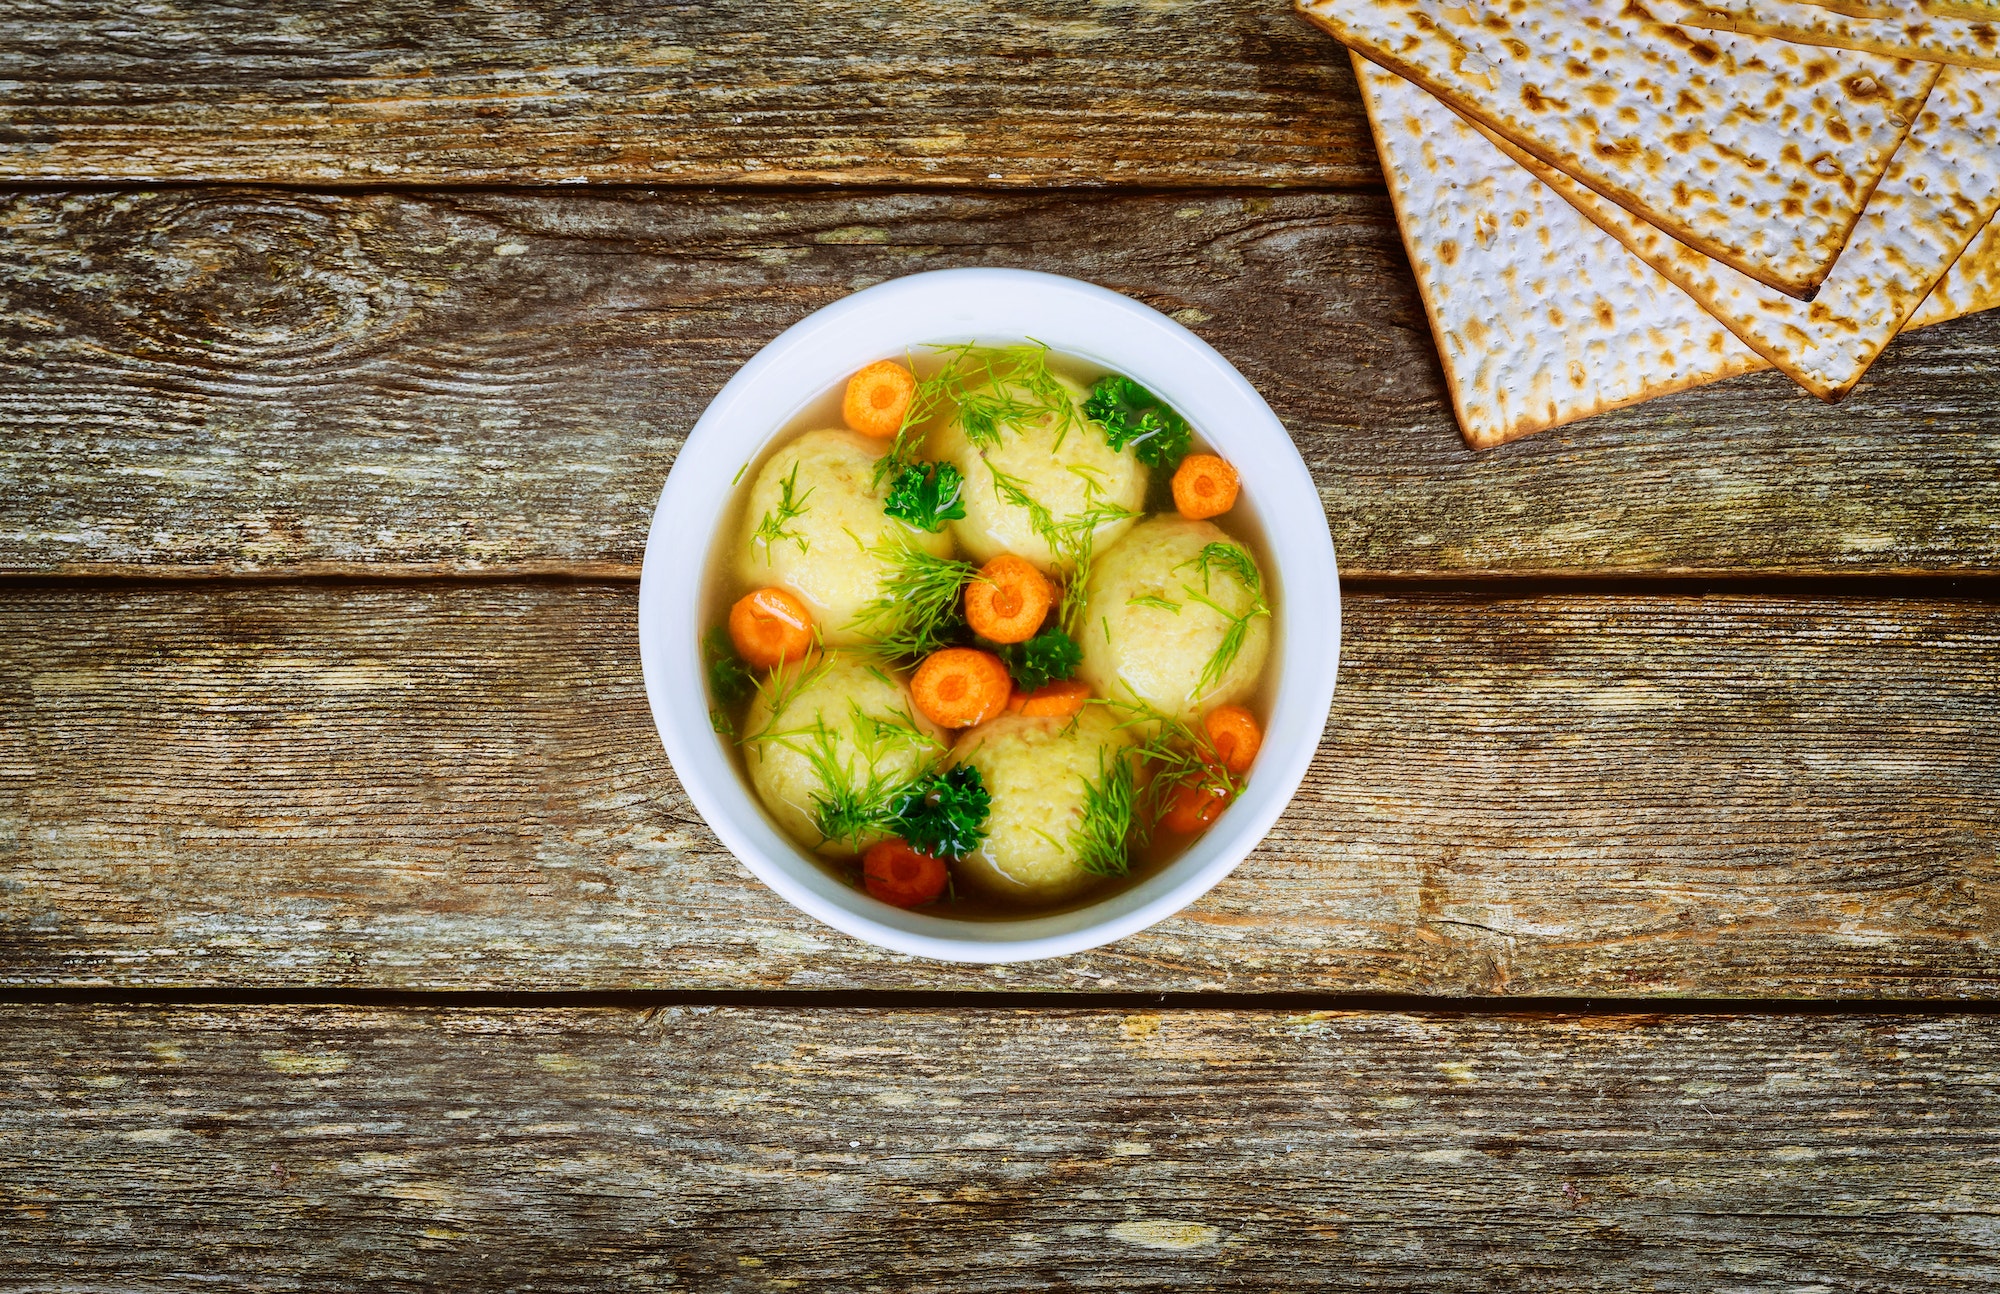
column 1914, row 587
column 725, row 192
column 974, row 1000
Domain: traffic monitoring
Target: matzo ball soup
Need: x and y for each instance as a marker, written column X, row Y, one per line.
column 988, row 631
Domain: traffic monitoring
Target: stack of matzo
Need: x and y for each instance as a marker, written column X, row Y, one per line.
column 1606, row 201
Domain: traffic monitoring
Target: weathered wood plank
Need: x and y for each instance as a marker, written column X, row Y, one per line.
column 537, row 92
column 205, row 381
column 274, row 1148
column 434, row 787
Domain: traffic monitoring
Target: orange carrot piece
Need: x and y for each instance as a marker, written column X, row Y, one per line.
column 960, row 686
column 1234, row 733
column 1194, row 806
column 1057, row 700
column 770, row 627
column 878, row 397
column 1204, row 486
column 900, row 875
column 1008, row 600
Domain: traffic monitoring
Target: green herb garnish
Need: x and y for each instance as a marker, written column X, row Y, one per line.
column 1174, row 755
column 1132, row 415
column 771, row 528
column 729, row 679
column 944, row 814
column 1101, row 838
column 1071, row 541
column 856, row 796
column 1078, row 545
column 927, row 495
column 1049, row 657
column 919, row 609
column 1227, row 558
column 1009, row 387
column 779, row 689
column 972, row 382
column 1233, row 562
column 847, row 806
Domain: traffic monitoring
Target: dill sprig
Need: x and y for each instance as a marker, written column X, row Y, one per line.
column 771, row 528
column 1101, row 836
column 857, row 797
column 1008, row 387
column 1079, row 544
column 848, row 805
column 781, row 687
column 730, row 681
column 973, row 382
column 918, row 610
column 1173, row 754
column 1012, row 489
column 1072, row 541
column 877, row 735
column 1233, row 562
column 1230, row 559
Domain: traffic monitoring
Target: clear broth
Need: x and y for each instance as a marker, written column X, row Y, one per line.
column 720, row 589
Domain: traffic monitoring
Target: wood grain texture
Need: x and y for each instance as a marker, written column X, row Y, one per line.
column 217, row 381
column 1173, row 92
column 758, row 1149
column 460, row 787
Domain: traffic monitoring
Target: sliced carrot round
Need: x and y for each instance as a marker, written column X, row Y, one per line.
column 1234, row 733
column 770, row 627
column 1008, row 600
column 1194, row 806
column 960, row 686
column 1204, row 486
column 1057, row 700
column 901, row 875
column 878, row 397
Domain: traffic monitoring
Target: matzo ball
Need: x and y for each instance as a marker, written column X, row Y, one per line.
column 814, row 525
column 1158, row 609
column 1038, row 771
column 844, row 734
column 1046, row 449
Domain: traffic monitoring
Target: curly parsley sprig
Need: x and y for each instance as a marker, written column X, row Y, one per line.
column 1132, row 415
column 944, row 814
column 926, row 495
column 1049, row 657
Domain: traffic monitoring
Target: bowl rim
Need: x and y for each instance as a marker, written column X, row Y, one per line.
column 986, row 304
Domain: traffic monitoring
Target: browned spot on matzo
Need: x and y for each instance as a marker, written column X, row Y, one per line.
column 1898, row 28
column 1972, row 285
column 1943, row 188
column 1546, row 320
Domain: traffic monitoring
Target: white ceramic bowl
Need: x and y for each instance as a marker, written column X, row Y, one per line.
column 1074, row 318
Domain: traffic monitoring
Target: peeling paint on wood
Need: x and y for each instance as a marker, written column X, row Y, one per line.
column 460, row 787
column 1161, row 92
column 224, row 381
column 743, row 1148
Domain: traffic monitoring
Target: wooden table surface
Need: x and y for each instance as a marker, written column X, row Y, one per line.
column 1637, row 926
